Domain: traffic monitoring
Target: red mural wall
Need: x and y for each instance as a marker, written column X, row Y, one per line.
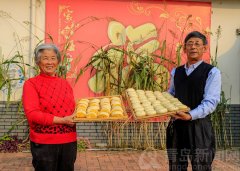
column 90, row 25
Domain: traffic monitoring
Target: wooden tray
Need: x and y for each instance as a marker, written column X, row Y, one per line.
column 150, row 116
column 123, row 118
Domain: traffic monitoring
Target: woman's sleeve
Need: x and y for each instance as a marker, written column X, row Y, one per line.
column 32, row 108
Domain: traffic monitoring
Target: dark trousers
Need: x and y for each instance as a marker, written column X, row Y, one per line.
column 190, row 140
column 54, row 157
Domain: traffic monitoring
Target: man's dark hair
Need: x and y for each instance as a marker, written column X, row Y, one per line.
column 197, row 35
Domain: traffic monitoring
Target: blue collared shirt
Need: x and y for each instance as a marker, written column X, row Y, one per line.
column 212, row 91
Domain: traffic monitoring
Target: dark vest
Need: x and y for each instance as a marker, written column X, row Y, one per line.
column 190, row 89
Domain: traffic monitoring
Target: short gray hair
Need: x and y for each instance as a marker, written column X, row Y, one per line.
column 44, row 46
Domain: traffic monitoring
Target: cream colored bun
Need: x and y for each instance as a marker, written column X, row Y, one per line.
column 157, row 93
column 143, row 97
column 151, row 97
column 105, row 110
column 140, row 91
column 177, row 103
column 106, row 107
column 105, row 104
column 82, row 106
column 151, row 112
column 133, row 99
column 103, row 114
column 131, row 89
column 93, row 107
column 136, row 106
column 168, row 105
column 156, row 102
column 92, row 110
column 81, row 114
column 115, row 102
column 139, row 109
column 149, row 92
column 161, row 98
column 113, row 105
column 151, row 100
column 117, row 108
column 182, row 106
column 165, row 103
column 136, row 102
column 105, row 100
column 116, row 98
column 148, row 108
column 91, row 115
column 157, row 106
column 83, row 100
column 93, row 104
column 163, row 110
column 140, row 113
column 146, row 103
column 95, row 100
column 116, row 114
column 132, row 93
column 172, row 108
column 133, row 96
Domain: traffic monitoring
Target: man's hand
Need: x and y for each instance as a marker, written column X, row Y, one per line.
column 183, row 116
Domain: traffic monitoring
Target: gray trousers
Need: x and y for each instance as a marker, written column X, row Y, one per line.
column 190, row 140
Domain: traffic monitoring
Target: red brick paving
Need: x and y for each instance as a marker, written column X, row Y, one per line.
column 228, row 160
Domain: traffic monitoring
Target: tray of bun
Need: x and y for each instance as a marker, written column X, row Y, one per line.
column 152, row 104
column 104, row 108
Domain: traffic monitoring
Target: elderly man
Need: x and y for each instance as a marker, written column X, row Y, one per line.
column 197, row 85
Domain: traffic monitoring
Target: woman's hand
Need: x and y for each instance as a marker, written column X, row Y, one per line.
column 183, row 116
column 67, row 120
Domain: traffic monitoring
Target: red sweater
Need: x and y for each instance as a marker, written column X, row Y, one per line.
column 43, row 98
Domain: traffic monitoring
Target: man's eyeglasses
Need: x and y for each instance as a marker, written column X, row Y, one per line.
column 191, row 45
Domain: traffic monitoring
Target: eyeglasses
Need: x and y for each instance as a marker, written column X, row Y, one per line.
column 191, row 44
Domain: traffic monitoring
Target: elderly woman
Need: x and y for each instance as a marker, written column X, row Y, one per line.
column 48, row 103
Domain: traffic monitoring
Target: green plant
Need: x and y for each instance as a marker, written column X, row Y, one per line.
column 113, row 74
column 83, row 144
column 220, row 118
column 6, row 77
column 11, row 144
column 221, row 123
